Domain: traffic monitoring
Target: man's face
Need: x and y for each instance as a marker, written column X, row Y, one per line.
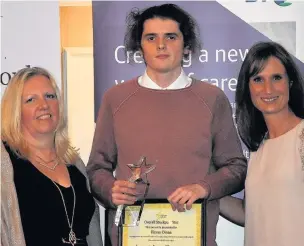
column 162, row 45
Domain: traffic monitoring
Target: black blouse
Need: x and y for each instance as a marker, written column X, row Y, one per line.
column 42, row 212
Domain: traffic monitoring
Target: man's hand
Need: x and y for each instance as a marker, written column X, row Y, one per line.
column 124, row 192
column 187, row 194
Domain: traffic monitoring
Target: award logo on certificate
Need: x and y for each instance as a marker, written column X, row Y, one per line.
column 159, row 225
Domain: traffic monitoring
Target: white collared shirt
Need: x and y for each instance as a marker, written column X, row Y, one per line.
column 182, row 81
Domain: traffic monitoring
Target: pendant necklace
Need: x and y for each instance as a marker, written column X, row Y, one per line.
column 72, row 236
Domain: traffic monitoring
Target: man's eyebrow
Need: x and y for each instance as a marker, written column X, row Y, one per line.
column 150, row 34
column 171, row 33
column 155, row 34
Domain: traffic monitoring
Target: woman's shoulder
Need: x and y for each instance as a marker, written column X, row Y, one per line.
column 80, row 166
column 82, row 169
column 7, row 171
column 3, row 147
column 301, row 130
column 5, row 157
column 300, row 135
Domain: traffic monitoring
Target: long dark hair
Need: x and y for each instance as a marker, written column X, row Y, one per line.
column 250, row 121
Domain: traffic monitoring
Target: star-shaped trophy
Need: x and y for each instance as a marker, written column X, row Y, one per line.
column 139, row 172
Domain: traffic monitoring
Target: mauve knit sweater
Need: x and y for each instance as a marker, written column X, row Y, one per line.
column 186, row 132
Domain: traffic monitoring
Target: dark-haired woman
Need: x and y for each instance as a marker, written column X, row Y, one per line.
column 270, row 112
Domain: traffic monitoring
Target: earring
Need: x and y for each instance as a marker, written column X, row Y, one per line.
column 290, row 84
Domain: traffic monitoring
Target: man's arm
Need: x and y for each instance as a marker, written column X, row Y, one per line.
column 102, row 163
column 228, row 168
column 103, row 157
column 227, row 154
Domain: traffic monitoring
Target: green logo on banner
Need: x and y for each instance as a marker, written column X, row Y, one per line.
column 283, row 3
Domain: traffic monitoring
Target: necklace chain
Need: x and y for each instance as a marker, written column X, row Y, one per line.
column 44, row 163
column 72, row 235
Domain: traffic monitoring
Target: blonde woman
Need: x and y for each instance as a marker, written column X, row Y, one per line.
column 45, row 197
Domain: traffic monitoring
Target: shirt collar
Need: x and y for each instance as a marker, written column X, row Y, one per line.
column 182, row 81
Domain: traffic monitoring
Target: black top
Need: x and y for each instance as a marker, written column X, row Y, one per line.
column 42, row 212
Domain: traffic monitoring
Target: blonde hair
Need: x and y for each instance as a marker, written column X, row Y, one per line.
column 11, row 131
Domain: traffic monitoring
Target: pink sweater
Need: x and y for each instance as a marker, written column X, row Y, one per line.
column 184, row 132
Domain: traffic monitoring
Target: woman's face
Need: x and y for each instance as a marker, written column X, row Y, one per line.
column 39, row 107
column 269, row 89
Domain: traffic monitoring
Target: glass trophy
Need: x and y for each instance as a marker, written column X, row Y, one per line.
column 139, row 175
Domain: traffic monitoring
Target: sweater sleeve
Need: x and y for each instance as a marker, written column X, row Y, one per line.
column 103, row 157
column 227, row 154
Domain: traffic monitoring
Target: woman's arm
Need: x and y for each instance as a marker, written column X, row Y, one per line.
column 233, row 209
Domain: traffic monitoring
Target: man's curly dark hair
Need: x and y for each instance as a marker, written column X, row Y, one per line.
column 187, row 25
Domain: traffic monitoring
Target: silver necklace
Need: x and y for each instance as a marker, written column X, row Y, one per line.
column 72, row 236
column 42, row 162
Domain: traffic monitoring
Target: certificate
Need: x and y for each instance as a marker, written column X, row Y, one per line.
column 159, row 225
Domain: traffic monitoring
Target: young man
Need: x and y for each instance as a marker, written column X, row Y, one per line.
column 182, row 125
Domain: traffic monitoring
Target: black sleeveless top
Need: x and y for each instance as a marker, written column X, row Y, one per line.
column 41, row 207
